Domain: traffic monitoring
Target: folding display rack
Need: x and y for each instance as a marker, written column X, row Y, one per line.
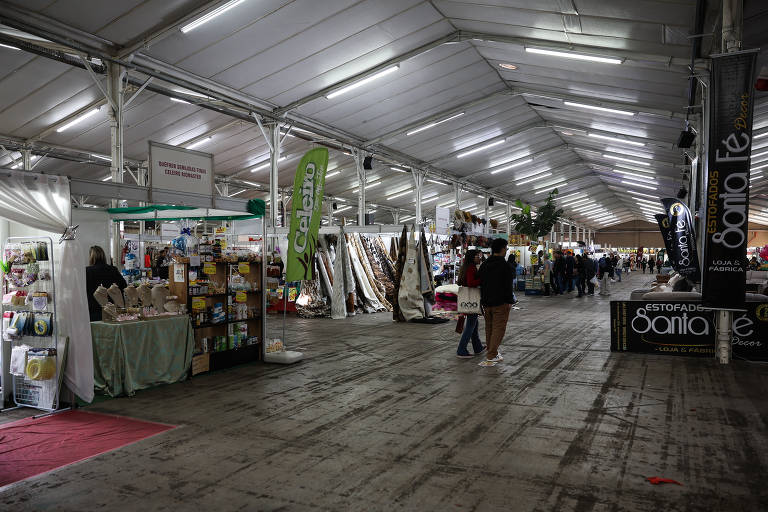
column 32, row 274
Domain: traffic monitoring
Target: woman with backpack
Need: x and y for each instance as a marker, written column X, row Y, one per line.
column 468, row 277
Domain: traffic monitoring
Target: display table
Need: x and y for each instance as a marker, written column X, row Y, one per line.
column 137, row 355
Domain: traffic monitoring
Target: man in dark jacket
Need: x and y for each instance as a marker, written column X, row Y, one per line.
column 496, row 298
column 570, row 271
column 558, row 271
column 590, row 269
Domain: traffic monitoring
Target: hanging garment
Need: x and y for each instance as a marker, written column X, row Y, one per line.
column 409, row 297
column 397, row 315
column 370, row 272
column 339, row 298
column 325, row 288
column 370, row 301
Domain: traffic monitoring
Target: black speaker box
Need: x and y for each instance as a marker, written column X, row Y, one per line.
column 686, row 139
column 368, row 163
column 490, row 201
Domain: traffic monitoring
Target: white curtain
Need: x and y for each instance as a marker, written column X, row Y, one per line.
column 43, row 202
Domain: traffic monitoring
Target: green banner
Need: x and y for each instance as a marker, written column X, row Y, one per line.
column 306, row 212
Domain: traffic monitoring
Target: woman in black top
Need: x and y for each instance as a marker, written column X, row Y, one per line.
column 98, row 273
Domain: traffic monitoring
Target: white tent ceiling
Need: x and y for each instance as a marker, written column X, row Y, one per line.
column 284, row 55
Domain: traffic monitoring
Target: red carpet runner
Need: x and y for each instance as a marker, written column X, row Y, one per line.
column 29, row 447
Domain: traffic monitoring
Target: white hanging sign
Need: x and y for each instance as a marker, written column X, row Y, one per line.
column 180, row 170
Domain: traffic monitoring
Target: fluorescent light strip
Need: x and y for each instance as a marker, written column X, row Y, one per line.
column 628, row 160
column 481, row 148
column 236, row 193
column 108, row 159
column 331, row 174
column 362, row 82
column 571, row 195
column 367, row 186
column 211, row 15
column 615, row 139
column 756, row 155
column 572, row 55
column 437, row 182
column 430, row 125
column 398, row 169
column 756, row 167
column 429, row 200
column 549, row 188
column 536, row 177
column 643, row 194
column 400, row 194
column 758, row 136
column 601, row 109
column 107, row 178
column 343, row 208
column 177, row 100
column 199, row 143
column 638, row 185
column 646, row 202
column 512, row 166
column 9, row 47
column 641, row 179
column 77, row 120
column 268, row 163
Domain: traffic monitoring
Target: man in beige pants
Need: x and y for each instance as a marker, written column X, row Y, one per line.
column 496, row 297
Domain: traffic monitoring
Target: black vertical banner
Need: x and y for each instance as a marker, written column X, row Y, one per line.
column 730, row 144
column 686, row 257
column 666, row 234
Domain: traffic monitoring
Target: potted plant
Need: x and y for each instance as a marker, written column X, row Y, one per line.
column 546, row 216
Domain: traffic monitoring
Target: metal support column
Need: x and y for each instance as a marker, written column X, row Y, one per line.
column 396, row 217
column 274, row 185
column 457, row 195
column 362, row 182
column 329, row 205
column 487, row 226
column 26, row 159
column 418, row 180
column 562, row 234
column 114, row 95
column 509, row 219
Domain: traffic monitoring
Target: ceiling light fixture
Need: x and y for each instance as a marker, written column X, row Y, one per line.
column 534, row 178
column 632, row 175
column 19, row 49
column 211, row 15
column 756, row 155
column 400, row 194
column 601, row 109
column 512, row 166
column 107, row 178
column 551, row 187
column 199, row 142
column 362, row 82
column 643, row 194
column 760, row 135
column 615, row 139
column 77, row 120
column 238, row 192
column 177, row 100
column 628, row 160
column 481, row 148
column 435, row 123
column 268, row 163
column 331, row 174
column 108, row 159
column 573, row 55
column 398, row 169
column 437, row 182
column 756, row 167
column 632, row 183
column 505, row 65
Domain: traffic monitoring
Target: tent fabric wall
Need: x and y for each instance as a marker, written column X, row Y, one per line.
column 42, row 202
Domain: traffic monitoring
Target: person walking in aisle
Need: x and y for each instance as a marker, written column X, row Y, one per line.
column 644, row 264
column 590, row 270
column 546, row 275
column 558, row 269
column 570, row 271
column 468, row 277
column 604, row 274
column 496, row 298
column 618, row 264
column 512, row 261
column 659, row 263
column 581, row 275
column 651, row 263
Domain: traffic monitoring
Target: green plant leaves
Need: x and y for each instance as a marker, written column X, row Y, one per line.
column 546, row 216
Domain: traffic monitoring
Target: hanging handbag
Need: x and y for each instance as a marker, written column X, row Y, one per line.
column 469, row 300
column 460, row 324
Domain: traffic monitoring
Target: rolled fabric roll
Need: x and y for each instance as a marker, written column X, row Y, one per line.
column 131, row 297
column 116, row 294
column 101, row 296
column 145, row 295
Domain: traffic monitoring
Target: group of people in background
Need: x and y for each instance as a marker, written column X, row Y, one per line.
column 650, row 263
column 567, row 272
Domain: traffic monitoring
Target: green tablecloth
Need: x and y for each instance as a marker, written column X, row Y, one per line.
column 137, row 355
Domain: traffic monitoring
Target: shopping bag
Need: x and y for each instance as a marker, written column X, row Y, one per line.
column 469, row 300
column 593, row 280
column 460, row 323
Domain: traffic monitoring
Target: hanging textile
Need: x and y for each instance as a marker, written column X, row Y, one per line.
column 43, row 202
column 409, row 297
column 343, row 283
column 397, row 315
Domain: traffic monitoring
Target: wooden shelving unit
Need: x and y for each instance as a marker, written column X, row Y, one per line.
column 233, row 340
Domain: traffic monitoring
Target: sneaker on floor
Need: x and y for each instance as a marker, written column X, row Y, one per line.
column 487, row 362
column 497, row 359
column 464, row 356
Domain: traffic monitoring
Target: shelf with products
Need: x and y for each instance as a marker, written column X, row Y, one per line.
column 232, row 318
column 31, row 355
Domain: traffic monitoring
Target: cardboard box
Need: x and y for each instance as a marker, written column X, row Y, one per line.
column 201, row 363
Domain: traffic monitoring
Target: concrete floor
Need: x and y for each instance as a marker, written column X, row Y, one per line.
column 383, row 416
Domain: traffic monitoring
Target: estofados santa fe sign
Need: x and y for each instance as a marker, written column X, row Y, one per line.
column 730, row 146
column 685, row 329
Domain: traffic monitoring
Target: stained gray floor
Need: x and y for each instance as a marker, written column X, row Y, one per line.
column 383, row 416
